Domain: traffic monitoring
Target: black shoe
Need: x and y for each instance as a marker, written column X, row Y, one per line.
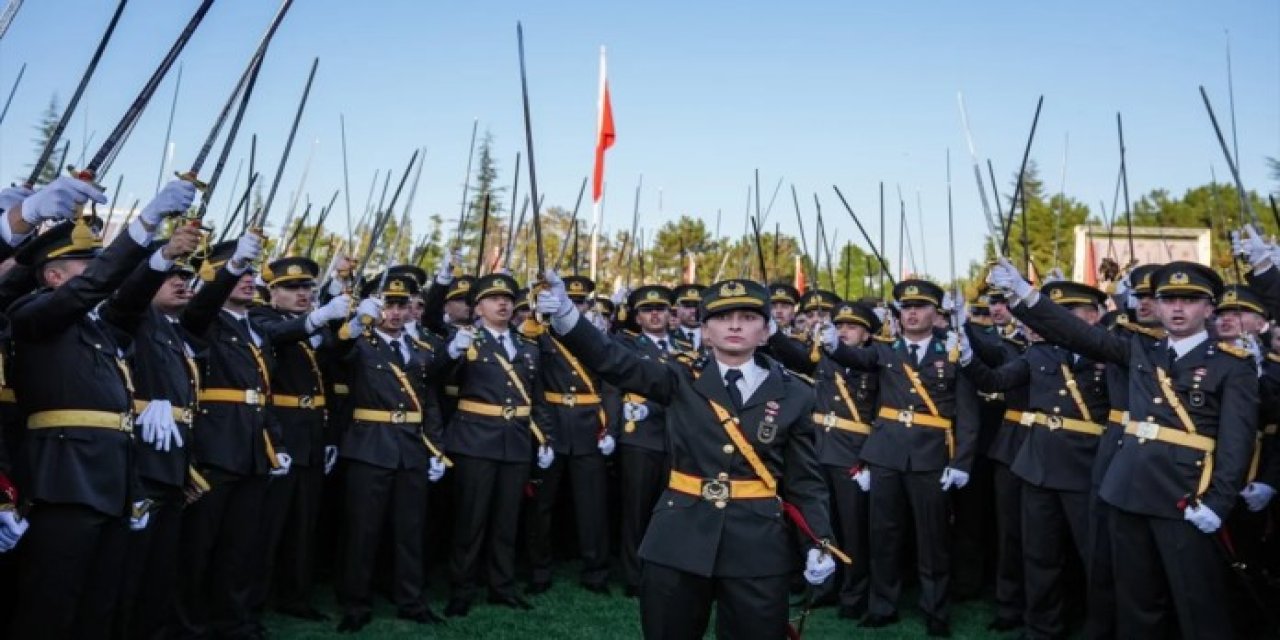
column 457, row 607
column 875, row 621
column 597, row 588
column 302, row 612
column 852, row 612
column 938, row 629
column 353, row 622
column 538, row 588
column 1004, row 624
column 631, row 591
column 422, row 616
column 510, row 600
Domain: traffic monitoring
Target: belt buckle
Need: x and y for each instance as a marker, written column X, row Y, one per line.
column 1148, row 430
column 126, row 422
column 398, row 417
column 906, row 417
column 570, row 399
column 306, row 402
column 185, row 414
column 251, row 396
column 829, row 420
column 715, row 490
column 1053, row 422
column 1027, row 418
column 508, row 412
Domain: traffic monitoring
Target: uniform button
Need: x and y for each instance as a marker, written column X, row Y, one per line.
column 720, row 504
column 671, row 503
column 1158, row 400
column 1062, row 392
column 722, row 476
column 728, row 448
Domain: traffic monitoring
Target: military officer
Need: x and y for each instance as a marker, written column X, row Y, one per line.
column 688, row 297
column 782, row 305
column 718, row 534
column 1182, row 461
column 922, row 445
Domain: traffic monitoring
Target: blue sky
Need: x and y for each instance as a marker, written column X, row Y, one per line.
column 818, row 93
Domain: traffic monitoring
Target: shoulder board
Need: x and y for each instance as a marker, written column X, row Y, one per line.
column 630, row 333
column 800, row 376
column 1155, row 332
column 528, row 339
column 1227, row 347
column 1271, row 357
column 422, row 344
column 884, row 339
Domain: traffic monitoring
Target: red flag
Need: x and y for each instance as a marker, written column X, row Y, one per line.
column 1090, row 263
column 605, row 133
column 799, row 279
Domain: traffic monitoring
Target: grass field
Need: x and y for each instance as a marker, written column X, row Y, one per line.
column 569, row 612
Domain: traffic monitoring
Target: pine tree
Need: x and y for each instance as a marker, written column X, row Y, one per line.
column 44, row 133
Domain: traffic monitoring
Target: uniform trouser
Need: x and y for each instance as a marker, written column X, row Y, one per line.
column 588, row 480
column 487, row 512
column 148, row 591
column 72, row 563
column 1010, row 586
column 971, row 530
column 1166, row 568
column 1054, row 523
column 676, row 605
column 1101, row 592
column 289, row 521
column 371, row 492
column 219, row 546
column 894, row 495
column 850, row 507
column 644, row 474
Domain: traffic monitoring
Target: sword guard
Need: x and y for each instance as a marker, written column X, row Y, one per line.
column 191, row 177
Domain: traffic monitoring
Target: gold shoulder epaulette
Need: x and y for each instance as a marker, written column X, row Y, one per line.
column 884, row 339
column 1273, row 357
column 1155, row 332
column 422, row 344
column 801, row 377
column 630, row 333
column 1239, row 352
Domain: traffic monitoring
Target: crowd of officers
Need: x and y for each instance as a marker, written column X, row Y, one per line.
column 189, row 431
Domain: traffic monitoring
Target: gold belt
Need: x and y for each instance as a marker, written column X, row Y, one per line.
column 718, row 490
column 297, row 402
column 392, row 417
column 80, row 418
column 185, row 415
column 7, row 395
column 908, row 417
column 451, row 390
column 830, row 420
column 234, row 396
column 1054, row 423
column 1151, row 431
column 1118, row 417
column 341, row 389
column 493, row 410
column 1012, row 415
column 572, row 399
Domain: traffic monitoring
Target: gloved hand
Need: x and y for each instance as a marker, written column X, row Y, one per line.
column 335, row 309
column 620, row 296
column 140, row 516
column 283, row 462
column 959, row 314
column 330, row 458
column 953, row 341
column 545, row 456
column 248, row 248
column 435, row 469
column 829, row 336
column 948, row 303
column 1123, row 287
column 862, row 476
column 1202, row 517
column 1250, row 344
column 818, row 566
column 598, row 321
column 11, row 196
column 1249, row 244
column 1055, row 275
column 1005, row 277
column 635, row 411
column 462, row 339
column 1257, row 495
column 59, row 200
column 966, row 348
column 444, row 272
column 158, row 426
column 173, row 200
column 606, row 445
column 553, row 301
column 954, row 478
column 11, row 529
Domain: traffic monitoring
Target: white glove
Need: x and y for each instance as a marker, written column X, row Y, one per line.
column 370, row 308
column 283, row 462
column 966, row 349
column 818, row 566
column 635, row 411
column 59, row 200
column 863, row 477
column 335, row 309
column 953, row 478
column 830, row 337
column 1202, row 517
column 1249, row 244
column 444, row 273
column 173, row 200
column 545, row 456
column 11, row 529
column 336, row 286
column 139, row 522
column 606, row 445
column 435, row 469
column 248, row 248
column 158, row 426
column 948, row 303
column 462, row 339
column 953, row 341
column 13, row 195
column 553, row 301
column 330, row 458
column 620, row 296
column 598, row 321
column 1123, row 288
column 1055, row 275
column 1257, row 495
column 1005, row 277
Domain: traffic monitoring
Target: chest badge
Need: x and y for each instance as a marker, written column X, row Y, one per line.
column 767, row 431
column 1196, row 398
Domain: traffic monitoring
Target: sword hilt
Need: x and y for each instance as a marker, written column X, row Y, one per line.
column 190, row 176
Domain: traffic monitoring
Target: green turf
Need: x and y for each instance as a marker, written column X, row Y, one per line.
column 568, row 612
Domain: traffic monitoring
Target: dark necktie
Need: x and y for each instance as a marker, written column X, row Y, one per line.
column 662, row 345
column 502, row 346
column 1173, row 356
column 248, row 330
column 731, row 378
column 399, row 349
column 915, row 354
